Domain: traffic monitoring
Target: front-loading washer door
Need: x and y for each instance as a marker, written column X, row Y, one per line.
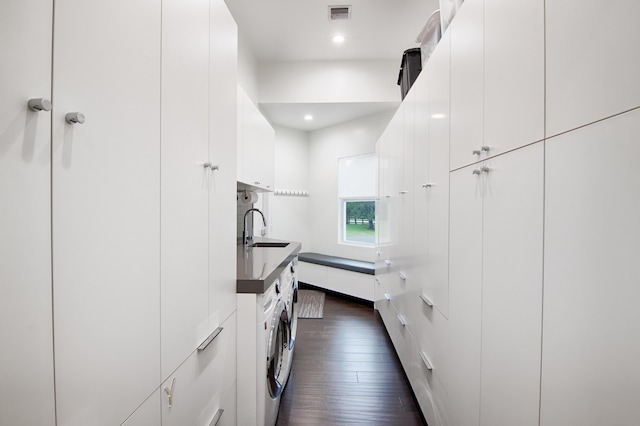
column 293, row 314
column 278, row 350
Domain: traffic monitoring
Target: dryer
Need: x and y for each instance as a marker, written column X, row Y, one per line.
column 263, row 355
column 289, row 283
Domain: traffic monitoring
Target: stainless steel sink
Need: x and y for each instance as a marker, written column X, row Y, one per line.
column 268, row 244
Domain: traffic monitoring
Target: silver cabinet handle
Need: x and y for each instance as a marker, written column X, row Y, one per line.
column 403, row 192
column 211, row 166
column 477, row 171
column 402, row 276
column 74, row 117
column 256, row 183
column 426, row 361
column 476, row 152
column 388, row 262
column 209, row 339
column 426, row 300
column 387, row 296
column 485, row 169
column 39, row 104
column 377, row 281
column 485, row 148
column 403, row 321
column 428, row 185
column 217, row 417
column 169, row 392
column 206, row 165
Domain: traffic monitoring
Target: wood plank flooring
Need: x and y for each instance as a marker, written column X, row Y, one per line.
column 345, row 372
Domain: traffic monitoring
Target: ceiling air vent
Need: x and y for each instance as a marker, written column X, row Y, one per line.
column 339, row 12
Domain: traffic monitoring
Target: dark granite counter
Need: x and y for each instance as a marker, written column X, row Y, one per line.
column 258, row 267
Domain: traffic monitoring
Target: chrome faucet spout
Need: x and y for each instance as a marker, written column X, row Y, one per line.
column 245, row 237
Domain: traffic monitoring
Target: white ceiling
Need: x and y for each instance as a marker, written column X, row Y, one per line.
column 300, row 30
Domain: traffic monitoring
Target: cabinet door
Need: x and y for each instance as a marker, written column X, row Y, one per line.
column 513, row 82
column 512, row 288
column 106, row 198
column 467, row 80
column 465, row 298
column 148, row 413
column 592, row 61
column 222, row 153
column 591, row 252
column 184, row 200
column 26, row 394
column 437, row 190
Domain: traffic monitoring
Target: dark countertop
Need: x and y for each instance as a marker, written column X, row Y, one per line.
column 258, row 267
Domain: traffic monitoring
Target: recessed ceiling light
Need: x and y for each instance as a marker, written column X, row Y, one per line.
column 308, row 117
column 438, row 116
column 338, row 39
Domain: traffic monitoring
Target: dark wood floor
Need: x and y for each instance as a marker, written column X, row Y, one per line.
column 345, row 372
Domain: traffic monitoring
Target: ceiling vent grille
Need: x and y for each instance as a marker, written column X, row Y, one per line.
column 339, row 12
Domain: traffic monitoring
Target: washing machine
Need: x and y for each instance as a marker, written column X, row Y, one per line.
column 273, row 365
column 289, row 283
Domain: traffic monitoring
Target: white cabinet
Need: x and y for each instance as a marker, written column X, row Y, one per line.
column 513, row 73
column 465, row 298
column 496, row 289
column 256, row 149
column 467, row 83
column 222, row 153
column 197, row 392
column 148, row 413
column 512, row 230
column 26, row 369
column 106, row 217
column 591, row 347
column 592, row 61
column 185, row 181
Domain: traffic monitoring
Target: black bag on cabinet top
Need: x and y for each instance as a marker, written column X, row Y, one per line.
column 410, row 67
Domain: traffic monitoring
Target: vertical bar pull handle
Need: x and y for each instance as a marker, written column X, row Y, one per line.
column 403, row 320
column 217, row 417
column 425, row 361
column 387, row 296
column 402, row 276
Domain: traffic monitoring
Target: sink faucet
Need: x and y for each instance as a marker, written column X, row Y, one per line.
column 245, row 237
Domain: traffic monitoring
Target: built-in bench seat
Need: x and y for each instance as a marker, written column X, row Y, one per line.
column 347, row 276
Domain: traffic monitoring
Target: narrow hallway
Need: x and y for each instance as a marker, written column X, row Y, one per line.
column 345, row 371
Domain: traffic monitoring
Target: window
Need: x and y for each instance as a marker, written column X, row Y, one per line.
column 357, row 189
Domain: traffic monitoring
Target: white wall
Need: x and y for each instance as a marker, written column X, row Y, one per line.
column 329, row 81
column 247, row 68
column 290, row 217
column 326, row 146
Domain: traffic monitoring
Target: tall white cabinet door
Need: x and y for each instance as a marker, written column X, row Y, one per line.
column 512, row 288
column 149, row 413
column 26, row 369
column 437, row 183
column 583, row 87
column 513, row 82
column 591, row 342
column 106, row 198
column 222, row 152
column 184, row 195
column 465, row 298
column 467, row 83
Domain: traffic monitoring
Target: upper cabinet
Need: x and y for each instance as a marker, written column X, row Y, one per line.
column 26, row 394
column 513, row 74
column 592, row 61
column 497, row 94
column 256, row 144
column 467, row 79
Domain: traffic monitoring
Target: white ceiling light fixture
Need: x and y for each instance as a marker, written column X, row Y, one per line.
column 338, row 39
column 308, row 117
column 339, row 12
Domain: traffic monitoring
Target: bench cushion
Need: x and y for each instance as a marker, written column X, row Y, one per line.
column 339, row 262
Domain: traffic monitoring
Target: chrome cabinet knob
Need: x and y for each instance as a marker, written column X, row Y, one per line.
column 428, row 185
column 477, row 171
column 39, row 104
column 74, row 117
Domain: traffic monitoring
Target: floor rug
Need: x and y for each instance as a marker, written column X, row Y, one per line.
column 310, row 304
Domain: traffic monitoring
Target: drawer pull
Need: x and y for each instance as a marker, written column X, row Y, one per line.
column 169, row 392
column 39, row 104
column 426, row 361
column 388, row 262
column 387, row 296
column 402, row 276
column 217, row 417
column 426, row 300
column 402, row 320
column 209, row 339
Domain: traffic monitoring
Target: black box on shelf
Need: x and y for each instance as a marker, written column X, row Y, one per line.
column 410, row 67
